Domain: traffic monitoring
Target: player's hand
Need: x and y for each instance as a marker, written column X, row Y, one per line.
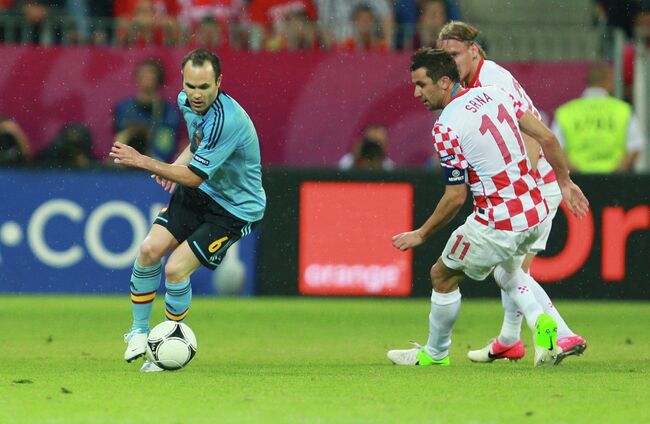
column 574, row 199
column 126, row 155
column 405, row 241
column 167, row 185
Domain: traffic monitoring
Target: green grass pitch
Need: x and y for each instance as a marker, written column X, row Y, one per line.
column 312, row 360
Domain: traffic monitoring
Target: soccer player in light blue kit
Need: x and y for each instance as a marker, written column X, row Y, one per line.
column 217, row 197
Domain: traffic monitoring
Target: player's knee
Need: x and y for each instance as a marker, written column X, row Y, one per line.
column 506, row 280
column 175, row 272
column 149, row 254
column 438, row 280
column 435, row 275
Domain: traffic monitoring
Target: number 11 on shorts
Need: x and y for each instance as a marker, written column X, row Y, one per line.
column 459, row 238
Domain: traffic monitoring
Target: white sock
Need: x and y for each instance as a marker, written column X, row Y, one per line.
column 515, row 285
column 563, row 329
column 444, row 311
column 512, row 318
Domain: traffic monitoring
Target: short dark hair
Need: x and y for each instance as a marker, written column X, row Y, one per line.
column 437, row 62
column 598, row 73
column 158, row 68
column 200, row 56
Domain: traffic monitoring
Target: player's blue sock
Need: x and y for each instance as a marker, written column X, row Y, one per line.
column 145, row 280
column 177, row 300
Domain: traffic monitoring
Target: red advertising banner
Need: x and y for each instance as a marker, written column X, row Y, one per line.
column 308, row 108
column 345, row 233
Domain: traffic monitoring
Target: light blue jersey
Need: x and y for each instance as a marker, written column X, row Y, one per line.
column 227, row 156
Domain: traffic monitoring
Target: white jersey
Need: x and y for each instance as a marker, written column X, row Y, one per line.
column 477, row 132
column 491, row 74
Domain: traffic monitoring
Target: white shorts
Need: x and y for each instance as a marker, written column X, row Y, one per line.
column 477, row 249
column 553, row 196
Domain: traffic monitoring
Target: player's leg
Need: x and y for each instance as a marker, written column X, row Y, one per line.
column 145, row 280
column 178, row 290
column 206, row 246
column 473, row 250
column 175, row 222
column 445, row 306
column 513, row 280
column 569, row 342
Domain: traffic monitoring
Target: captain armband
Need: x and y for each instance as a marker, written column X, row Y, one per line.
column 455, row 176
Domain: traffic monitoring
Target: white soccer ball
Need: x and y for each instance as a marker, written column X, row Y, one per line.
column 171, row 345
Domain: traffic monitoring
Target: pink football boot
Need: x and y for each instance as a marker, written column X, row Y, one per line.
column 496, row 350
column 570, row 345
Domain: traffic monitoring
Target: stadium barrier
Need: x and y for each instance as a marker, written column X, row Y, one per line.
column 325, row 232
column 330, row 231
column 79, row 232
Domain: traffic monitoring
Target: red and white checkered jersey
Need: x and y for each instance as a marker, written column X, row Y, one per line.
column 489, row 73
column 477, row 131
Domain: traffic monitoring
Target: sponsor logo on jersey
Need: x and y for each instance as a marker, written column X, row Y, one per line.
column 447, row 158
column 201, row 160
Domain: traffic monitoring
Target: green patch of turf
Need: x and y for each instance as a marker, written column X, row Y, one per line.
column 303, row 360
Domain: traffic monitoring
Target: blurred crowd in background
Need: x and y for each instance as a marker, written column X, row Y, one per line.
column 241, row 24
column 152, row 124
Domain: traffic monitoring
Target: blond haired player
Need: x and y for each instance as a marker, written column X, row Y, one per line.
column 459, row 40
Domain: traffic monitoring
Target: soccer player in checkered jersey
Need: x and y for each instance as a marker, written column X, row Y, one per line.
column 477, row 138
column 459, row 40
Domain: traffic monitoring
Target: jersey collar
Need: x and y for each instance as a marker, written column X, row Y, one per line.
column 474, row 80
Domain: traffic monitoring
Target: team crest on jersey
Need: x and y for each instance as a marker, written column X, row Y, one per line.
column 197, row 137
column 203, row 161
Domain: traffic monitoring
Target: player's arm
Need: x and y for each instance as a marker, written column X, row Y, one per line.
column 532, row 150
column 183, row 159
column 180, row 174
column 448, row 206
column 575, row 199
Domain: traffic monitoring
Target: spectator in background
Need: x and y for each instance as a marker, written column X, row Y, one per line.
column 406, row 16
column 229, row 15
column 408, row 19
column 300, row 32
column 433, row 16
column 370, row 151
column 271, row 19
column 146, row 121
column 14, row 144
column 36, row 14
column 366, row 32
column 71, row 148
column 207, row 35
column 144, row 22
column 598, row 132
column 92, row 21
column 334, row 19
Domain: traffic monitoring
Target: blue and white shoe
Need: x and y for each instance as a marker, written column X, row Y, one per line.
column 136, row 341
